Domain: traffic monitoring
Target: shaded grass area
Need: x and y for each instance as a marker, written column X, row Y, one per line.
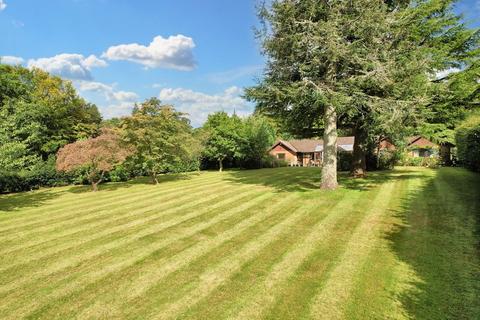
column 259, row 244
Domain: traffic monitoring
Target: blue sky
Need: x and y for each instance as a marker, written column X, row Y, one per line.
column 195, row 54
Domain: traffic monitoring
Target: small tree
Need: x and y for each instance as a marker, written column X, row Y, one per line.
column 258, row 136
column 223, row 137
column 97, row 155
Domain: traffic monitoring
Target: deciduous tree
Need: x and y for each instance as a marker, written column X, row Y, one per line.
column 224, row 138
column 96, row 155
column 161, row 136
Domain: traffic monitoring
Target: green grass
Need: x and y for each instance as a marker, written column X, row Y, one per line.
column 260, row 244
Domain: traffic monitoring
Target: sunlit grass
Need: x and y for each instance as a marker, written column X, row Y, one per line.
column 246, row 245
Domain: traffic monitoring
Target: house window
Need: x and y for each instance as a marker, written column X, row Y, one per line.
column 281, row 156
column 424, row 153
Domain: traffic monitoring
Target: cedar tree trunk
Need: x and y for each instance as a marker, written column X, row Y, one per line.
column 359, row 158
column 329, row 164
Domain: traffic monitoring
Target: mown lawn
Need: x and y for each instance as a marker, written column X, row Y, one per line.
column 246, row 245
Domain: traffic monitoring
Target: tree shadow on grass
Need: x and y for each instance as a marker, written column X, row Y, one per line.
column 17, row 201
column 112, row 186
column 37, row 198
column 437, row 240
column 300, row 179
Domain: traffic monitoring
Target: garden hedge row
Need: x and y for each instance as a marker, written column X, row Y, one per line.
column 467, row 137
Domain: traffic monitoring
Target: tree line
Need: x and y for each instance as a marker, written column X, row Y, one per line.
column 51, row 136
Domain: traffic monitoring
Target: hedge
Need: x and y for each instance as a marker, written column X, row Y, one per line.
column 467, row 137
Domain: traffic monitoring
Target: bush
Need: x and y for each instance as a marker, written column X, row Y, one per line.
column 119, row 173
column 41, row 174
column 384, row 160
column 14, row 182
column 270, row 161
column 344, row 161
column 467, row 137
column 428, row 162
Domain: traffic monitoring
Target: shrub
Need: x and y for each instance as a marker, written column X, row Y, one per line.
column 467, row 137
column 344, row 161
column 428, row 162
column 270, row 161
column 41, row 174
column 119, row 173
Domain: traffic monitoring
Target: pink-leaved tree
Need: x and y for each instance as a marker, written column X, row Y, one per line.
column 96, row 155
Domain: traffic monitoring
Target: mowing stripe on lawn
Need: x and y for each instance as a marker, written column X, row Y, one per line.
column 119, row 263
column 218, row 274
column 135, row 234
column 192, row 204
column 284, row 269
column 148, row 274
column 293, row 298
column 97, row 205
column 109, row 196
column 328, row 304
column 118, row 215
column 122, row 208
column 67, row 199
column 381, row 269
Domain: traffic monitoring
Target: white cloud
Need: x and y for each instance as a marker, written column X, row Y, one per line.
column 69, row 65
column 109, row 91
column 116, row 110
column 234, row 74
column 111, row 102
column 198, row 105
column 174, row 52
column 3, row 5
column 11, row 59
column 124, row 96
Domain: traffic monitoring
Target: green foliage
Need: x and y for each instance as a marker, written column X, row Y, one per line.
column 467, row 137
column 40, row 174
column 270, row 161
column 42, row 111
column 224, row 137
column 14, row 155
column 428, row 162
column 384, row 160
column 39, row 113
column 119, row 173
column 454, row 50
column 243, row 142
column 344, row 161
column 258, row 135
column 162, row 138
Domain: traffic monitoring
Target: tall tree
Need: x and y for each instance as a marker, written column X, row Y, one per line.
column 333, row 56
column 42, row 112
column 449, row 52
column 161, row 136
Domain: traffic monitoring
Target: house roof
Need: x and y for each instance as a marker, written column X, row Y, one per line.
column 285, row 144
column 420, row 141
column 305, row 145
column 315, row 145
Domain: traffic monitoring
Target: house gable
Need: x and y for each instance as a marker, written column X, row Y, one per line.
column 421, row 142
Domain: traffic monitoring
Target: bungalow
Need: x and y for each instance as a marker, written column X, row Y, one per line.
column 418, row 146
column 306, row 152
column 309, row 152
